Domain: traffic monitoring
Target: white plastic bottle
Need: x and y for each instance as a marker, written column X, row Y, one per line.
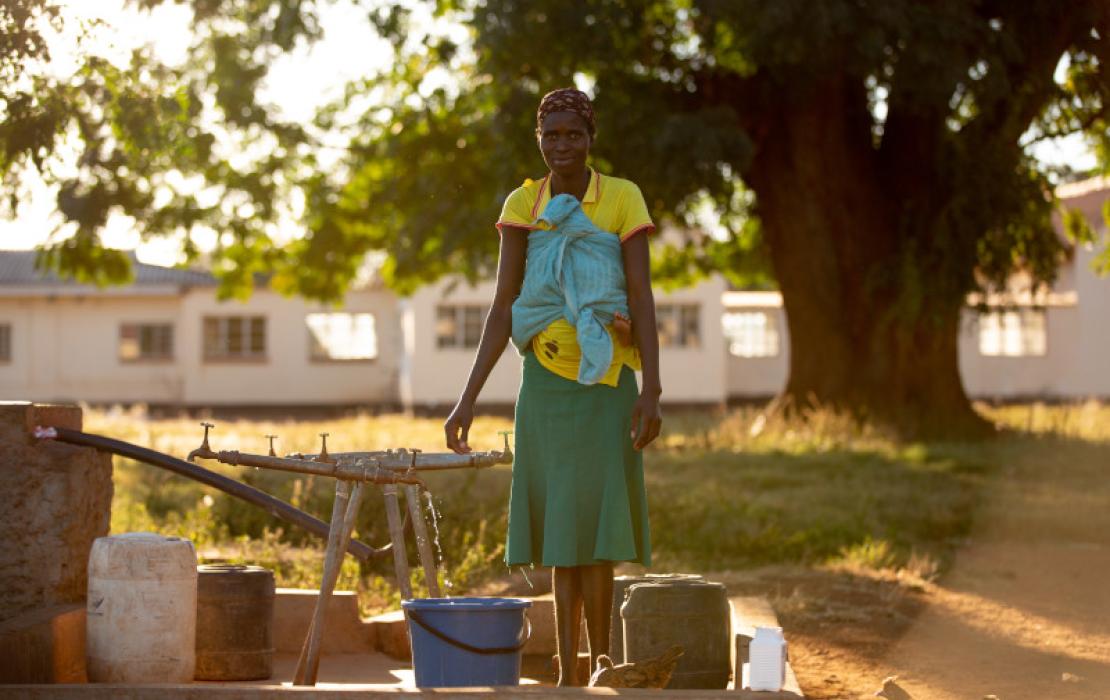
column 767, row 659
column 142, row 609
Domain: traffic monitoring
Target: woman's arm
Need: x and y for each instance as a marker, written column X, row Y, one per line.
column 646, row 417
column 495, row 334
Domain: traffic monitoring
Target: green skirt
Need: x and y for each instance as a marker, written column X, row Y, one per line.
column 578, row 486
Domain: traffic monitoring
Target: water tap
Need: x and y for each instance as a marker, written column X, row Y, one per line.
column 204, row 450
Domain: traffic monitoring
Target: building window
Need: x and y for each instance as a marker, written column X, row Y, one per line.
column 145, row 341
column 341, row 336
column 459, row 326
column 751, row 333
column 234, row 338
column 1013, row 333
column 678, row 325
column 5, row 343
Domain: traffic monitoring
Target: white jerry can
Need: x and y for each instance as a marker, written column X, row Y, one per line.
column 767, row 659
column 142, row 609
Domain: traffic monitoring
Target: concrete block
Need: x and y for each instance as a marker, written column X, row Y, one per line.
column 44, row 646
column 542, row 617
column 390, row 633
column 344, row 632
column 57, row 500
column 55, row 415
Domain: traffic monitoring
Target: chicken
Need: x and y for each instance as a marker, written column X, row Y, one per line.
column 653, row 673
column 892, row 691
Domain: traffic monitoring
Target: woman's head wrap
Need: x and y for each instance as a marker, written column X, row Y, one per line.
column 567, row 100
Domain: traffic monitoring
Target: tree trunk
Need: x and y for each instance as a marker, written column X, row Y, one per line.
column 872, row 330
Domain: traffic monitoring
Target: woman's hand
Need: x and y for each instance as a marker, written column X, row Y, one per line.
column 647, row 421
column 459, row 422
column 622, row 328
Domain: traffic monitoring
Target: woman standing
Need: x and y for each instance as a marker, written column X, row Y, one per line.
column 578, row 503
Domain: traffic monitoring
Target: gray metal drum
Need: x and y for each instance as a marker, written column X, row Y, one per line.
column 693, row 614
column 621, row 584
column 235, row 622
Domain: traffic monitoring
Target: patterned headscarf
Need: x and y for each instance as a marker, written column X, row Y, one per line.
column 567, row 100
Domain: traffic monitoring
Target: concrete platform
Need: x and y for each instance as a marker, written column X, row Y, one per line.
column 347, row 692
column 371, row 673
column 44, row 646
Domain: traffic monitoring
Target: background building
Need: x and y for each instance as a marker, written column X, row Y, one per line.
column 167, row 340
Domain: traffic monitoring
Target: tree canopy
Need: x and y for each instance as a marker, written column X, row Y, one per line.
column 869, row 157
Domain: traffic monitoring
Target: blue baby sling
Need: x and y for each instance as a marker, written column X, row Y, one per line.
column 574, row 271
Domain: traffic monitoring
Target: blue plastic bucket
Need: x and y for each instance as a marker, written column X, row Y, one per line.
column 466, row 642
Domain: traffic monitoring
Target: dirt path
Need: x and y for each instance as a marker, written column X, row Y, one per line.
column 1025, row 610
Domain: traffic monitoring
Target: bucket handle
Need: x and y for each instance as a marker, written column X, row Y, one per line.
column 525, row 636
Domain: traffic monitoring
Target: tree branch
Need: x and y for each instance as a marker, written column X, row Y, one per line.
column 1085, row 124
column 1004, row 118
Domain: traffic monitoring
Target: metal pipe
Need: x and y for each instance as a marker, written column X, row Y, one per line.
column 274, row 506
column 403, row 460
column 355, row 470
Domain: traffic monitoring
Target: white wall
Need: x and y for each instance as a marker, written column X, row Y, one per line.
column 757, row 377
column 997, row 376
column 1077, row 362
column 288, row 375
column 66, row 348
column 437, row 376
column 696, row 375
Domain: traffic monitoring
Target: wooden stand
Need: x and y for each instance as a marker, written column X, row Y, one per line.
column 352, row 471
column 343, row 514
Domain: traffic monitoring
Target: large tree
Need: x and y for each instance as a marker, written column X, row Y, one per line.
column 871, row 156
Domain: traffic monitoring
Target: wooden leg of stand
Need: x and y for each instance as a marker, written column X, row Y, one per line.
column 397, row 537
column 333, row 558
column 423, row 543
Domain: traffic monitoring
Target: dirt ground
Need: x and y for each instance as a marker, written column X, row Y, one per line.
column 1023, row 613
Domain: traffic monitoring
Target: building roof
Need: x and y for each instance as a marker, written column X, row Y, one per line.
column 17, row 269
column 1099, row 183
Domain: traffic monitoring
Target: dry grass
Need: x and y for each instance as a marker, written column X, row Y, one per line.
column 725, row 492
column 1088, row 421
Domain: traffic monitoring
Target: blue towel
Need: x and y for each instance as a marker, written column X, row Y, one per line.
column 574, row 271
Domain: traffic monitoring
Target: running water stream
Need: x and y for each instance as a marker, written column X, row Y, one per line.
column 435, row 540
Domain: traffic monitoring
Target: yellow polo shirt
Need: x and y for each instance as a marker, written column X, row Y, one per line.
column 613, row 204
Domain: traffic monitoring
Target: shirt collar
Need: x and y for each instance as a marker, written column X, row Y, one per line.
column 593, row 192
column 593, row 188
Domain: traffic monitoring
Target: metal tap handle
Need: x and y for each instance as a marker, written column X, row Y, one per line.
column 271, row 438
column 204, row 444
column 505, row 434
column 323, row 456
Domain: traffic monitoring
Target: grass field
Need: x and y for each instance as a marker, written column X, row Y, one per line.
column 721, row 496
